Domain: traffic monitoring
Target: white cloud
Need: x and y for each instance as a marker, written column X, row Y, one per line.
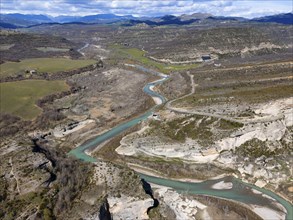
column 246, row 8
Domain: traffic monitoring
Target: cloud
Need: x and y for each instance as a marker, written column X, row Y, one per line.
column 246, row 8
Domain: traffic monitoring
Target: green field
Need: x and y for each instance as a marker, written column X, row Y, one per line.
column 49, row 65
column 139, row 55
column 19, row 98
column 52, row 49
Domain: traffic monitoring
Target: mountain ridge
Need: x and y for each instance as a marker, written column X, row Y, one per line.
column 17, row 20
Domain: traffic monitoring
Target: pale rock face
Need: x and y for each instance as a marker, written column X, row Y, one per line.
column 267, row 213
column 269, row 125
column 263, row 45
column 183, row 208
column 260, row 183
column 289, row 116
column 248, row 169
column 262, row 173
column 59, row 131
column 222, row 185
column 157, row 100
column 272, row 131
column 126, row 150
column 128, row 208
column 187, row 151
column 228, row 159
column 276, row 107
column 269, row 130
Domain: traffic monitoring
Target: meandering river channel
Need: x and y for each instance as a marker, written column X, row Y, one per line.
column 240, row 192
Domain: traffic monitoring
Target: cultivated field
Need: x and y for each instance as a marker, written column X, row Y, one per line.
column 19, row 98
column 139, row 55
column 49, row 65
column 53, row 49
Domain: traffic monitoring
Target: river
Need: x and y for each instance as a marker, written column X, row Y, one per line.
column 240, row 192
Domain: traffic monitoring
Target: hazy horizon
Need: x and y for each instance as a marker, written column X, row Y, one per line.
column 138, row 8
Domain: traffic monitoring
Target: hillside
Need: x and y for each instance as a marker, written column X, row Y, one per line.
column 113, row 116
column 189, row 44
column 15, row 46
column 26, row 20
column 281, row 18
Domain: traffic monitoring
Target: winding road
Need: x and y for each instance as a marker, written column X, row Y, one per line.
column 80, row 49
column 193, row 112
column 240, row 190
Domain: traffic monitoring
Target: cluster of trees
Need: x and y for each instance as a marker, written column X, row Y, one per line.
column 10, row 124
column 25, row 46
column 66, row 74
column 3, row 189
column 72, row 177
column 48, row 76
column 50, row 98
column 47, row 119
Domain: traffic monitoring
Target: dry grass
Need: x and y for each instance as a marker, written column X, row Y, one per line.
column 19, row 98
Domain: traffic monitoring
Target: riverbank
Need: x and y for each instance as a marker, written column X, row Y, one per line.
column 245, row 189
column 260, row 202
column 150, row 172
column 220, row 185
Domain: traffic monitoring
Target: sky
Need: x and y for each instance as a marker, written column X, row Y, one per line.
column 241, row 8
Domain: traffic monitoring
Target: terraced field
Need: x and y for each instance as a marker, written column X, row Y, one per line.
column 19, row 98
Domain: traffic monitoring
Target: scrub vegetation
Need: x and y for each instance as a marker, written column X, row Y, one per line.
column 200, row 128
column 42, row 120
column 256, row 148
column 140, row 56
column 250, row 94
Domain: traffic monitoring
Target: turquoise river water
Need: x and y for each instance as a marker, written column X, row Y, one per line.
column 240, row 192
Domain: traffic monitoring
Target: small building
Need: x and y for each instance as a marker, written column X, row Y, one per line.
column 206, row 58
column 156, row 116
column 31, row 71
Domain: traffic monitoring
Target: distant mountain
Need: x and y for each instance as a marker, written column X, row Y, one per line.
column 103, row 18
column 28, row 20
column 222, row 18
column 195, row 16
column 24, row 20
column 57, row 23
column 7, row 25
column 209, row 19
column 165, row 20
column 65, row 19
column 99, row 18
column 31, row 17
column 280, row 18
